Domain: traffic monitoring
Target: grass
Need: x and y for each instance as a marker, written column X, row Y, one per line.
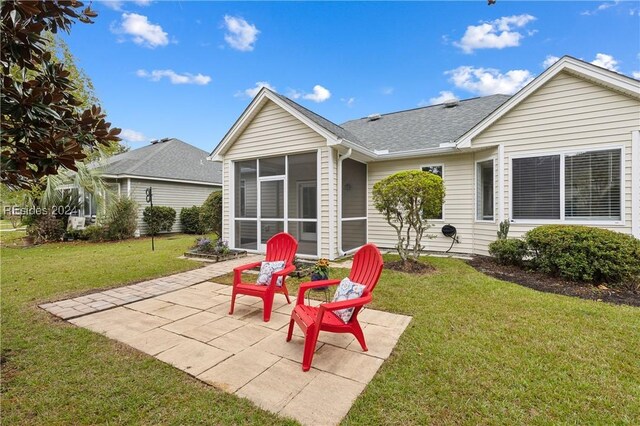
column 56, row 373
column 478, row 350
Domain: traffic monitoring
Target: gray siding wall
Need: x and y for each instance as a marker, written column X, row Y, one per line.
column 171, row 194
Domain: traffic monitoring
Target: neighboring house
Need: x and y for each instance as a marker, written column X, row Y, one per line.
column 565, row 149
column 179, row 173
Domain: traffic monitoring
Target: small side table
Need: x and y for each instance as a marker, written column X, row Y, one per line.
column 324, row 290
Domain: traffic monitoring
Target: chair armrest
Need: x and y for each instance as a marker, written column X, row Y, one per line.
column 312, row 284
column 247, row 266
column 353, row 303
column 237, row 271
column 281, row 273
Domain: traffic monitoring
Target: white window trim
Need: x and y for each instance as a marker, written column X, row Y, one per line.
column 475, row 190
column 443, row 219
column 563, row 220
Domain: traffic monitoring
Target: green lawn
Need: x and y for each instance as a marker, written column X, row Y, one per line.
column 479, row 350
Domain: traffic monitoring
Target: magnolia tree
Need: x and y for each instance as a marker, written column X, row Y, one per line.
column 406, row 199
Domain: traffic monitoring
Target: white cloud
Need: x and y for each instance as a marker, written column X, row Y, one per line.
column 142, row 31
column 174, row 77
column 132, row 136
column 442, row 97
column 320, row 94
column 600, row 8
column 117, row 4
column 489, row 81
column 241, row 35
column 496, row 34
column 549, row 60
column 253, row 91
column 605, row 61
column 387, row 90
column 349, row 101
column 636, row 75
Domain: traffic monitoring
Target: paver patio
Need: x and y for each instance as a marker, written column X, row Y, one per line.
column 183, row 320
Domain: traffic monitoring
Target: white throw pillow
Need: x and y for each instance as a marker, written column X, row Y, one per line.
column 266, row 272
column 347, row 290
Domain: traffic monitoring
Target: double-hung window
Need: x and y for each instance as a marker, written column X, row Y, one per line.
column 580, row 186
column 438, row 171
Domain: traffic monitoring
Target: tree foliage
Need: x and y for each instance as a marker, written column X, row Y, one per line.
column 44, row 126
column 406, row 199
column 211, row 213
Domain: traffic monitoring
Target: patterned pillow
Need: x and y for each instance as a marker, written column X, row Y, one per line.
column 347, row 290
column 266, row 271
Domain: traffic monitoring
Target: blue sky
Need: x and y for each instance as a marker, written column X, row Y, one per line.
column 186, row 69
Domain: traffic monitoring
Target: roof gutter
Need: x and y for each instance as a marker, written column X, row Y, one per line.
column 444, row 148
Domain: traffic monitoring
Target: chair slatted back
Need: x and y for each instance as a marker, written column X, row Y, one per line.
column 367, row 267
column 281, row 246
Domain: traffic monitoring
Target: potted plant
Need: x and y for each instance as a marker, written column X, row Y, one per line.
column 319, row 272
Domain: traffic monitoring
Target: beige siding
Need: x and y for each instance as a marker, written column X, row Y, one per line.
column 458, row 209
column 567, row 113
column 275, row 132
column 171, row 194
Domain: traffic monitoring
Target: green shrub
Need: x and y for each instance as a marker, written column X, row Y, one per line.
column 190, row 220
column 94, row 233
column 45, row 229
column 582, row 253
column 508, row 252
column 122, row 219
column 503, row 229
column 211, row 213
column 159, row 219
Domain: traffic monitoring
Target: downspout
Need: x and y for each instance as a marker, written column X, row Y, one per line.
column 341, row 158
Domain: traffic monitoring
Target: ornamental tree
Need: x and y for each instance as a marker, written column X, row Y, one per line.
column 406, row 199
column 44, row 126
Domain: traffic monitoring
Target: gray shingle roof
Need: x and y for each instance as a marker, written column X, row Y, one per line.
column 169, row 159
column 320, row 121
column 421, row 128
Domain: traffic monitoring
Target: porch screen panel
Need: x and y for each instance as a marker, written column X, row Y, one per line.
column 246, row 189
column 354, row 204
column 592, row 185
column 354, row 189
column 354, row 234
column 536, row 187
column 246, row 234
column 302, row 201
column 302, row 179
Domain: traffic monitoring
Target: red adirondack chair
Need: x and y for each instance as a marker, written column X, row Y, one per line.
column 281, row 246
column 367, row 266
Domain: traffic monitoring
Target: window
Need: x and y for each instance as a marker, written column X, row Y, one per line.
column 536, row 187
column 484, row 190
column 592, row 185
column 436, row 170
column 591, row 190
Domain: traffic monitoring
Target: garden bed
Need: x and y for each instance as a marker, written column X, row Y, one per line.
column 541, row 282
column 214, row 257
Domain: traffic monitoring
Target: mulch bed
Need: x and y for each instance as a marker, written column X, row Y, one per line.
column 542, row 282
column 410, row 267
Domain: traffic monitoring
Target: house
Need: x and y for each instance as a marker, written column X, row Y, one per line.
column 565, row 149
column 178, row 173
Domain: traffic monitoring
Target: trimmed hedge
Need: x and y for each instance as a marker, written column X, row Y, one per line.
column 508, row 252
column 190, row 220
column 159, row 219
column 582, row 253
